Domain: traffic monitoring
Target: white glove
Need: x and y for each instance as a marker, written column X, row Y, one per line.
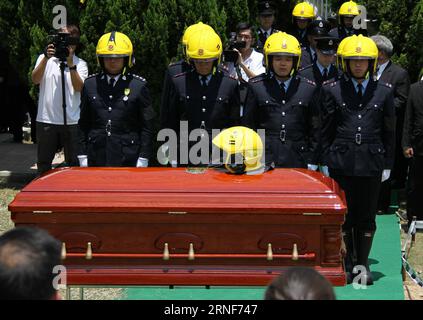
column 312, row 167
column 83, row 160
column 386, row 174
column 142, row 163
column 324, row 170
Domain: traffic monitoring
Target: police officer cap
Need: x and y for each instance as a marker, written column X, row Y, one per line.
column 266, row 8
column 327, row 45
column 319, row 28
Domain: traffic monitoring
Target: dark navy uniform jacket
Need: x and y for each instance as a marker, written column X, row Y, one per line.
column 358, row 135
column 173, row 69
column 291, row 122
column 116, row 123
column 261, row 38
column 312, row 72
column 340, row 32
column 216, row 106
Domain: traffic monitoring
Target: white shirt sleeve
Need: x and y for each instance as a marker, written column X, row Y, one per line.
column 82, row 69
column 40, row 57
column 257, row 64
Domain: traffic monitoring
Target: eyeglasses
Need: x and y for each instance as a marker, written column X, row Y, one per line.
column 243, row 36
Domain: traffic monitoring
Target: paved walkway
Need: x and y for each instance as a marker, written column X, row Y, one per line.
column 18, row 161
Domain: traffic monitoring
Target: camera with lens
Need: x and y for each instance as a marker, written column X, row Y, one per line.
column 229, row 55
column 61, row 42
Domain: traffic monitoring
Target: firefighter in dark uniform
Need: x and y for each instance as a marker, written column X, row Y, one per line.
column 316, row 29
column 358, row 144
column 266, row 19
column 284, row 104
column 205, row 97
column 178, row 67
column 116, row 121
column 324, row 68
column 347, row 12
column 302, row 16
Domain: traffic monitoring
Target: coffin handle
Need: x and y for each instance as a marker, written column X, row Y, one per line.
column 166, row 255
column 89, row 253
column 295, row 252
column 191, row 254
column 269, row 255
column 63, row 252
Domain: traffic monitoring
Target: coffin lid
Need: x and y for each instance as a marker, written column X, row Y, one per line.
column 166, row 189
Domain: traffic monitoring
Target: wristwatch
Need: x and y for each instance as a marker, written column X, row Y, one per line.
column 72, row 68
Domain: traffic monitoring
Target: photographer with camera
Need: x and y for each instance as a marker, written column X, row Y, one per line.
column 59, row 96
column 241, row 60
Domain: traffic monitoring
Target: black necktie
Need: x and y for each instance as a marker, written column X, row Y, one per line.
column 314, row 57
column 325, row 74
column 360, row 91
column 283, row 90
column 112, row 83
column 204, row 81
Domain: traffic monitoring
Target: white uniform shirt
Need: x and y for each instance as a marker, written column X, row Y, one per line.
column 50, row 98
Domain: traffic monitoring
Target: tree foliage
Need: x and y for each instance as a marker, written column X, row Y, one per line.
column 156, row 26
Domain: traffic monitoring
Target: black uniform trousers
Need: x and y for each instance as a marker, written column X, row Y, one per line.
column 362, row 194
column 415, row 189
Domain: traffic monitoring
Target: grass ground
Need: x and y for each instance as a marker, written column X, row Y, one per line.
column 6, row 196
column 411, row 290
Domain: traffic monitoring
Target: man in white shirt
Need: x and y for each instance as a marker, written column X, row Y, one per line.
column 51, row 129
column 249, row 63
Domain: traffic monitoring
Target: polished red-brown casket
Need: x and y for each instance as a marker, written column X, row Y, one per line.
column 175, row 226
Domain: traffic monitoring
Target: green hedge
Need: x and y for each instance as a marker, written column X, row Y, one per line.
column 155, row 28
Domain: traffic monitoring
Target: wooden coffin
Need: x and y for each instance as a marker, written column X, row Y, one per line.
column 165, row 226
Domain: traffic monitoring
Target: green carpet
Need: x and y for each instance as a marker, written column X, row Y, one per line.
column 385, row 260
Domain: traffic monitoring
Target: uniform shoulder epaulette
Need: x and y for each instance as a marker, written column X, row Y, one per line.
column 327, row 82
column 330, row 83
column 305, row 67
column 258, row 78
column 308, row 81
column 230, row 76
column 135, row 76
column 175, row 63
column 180, row 74
column 92, row 75
column 386, row 84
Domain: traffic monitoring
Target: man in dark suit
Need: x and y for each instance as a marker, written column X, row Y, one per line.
column 412, row 144
column 389, row 72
